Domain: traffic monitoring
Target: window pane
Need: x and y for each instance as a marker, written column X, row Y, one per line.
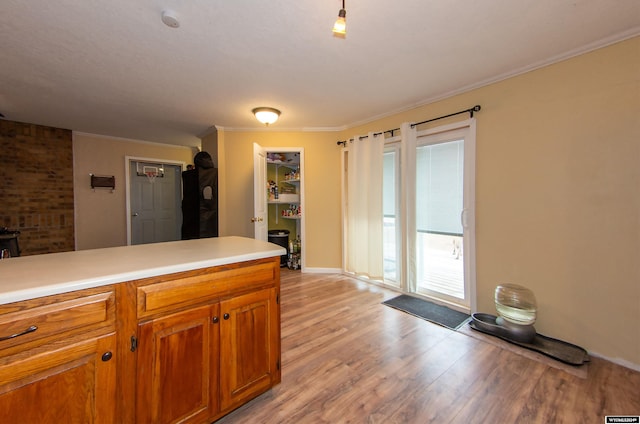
column 439, row 183
column 439, row 203
column 389, row 220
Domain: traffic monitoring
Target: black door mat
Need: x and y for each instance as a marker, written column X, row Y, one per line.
column 429, row 311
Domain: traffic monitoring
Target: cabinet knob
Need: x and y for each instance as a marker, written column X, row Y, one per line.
column 215, row 320
column 225, row 316
column 106, row 356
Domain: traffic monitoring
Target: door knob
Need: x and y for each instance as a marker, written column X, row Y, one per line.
column 134, row 214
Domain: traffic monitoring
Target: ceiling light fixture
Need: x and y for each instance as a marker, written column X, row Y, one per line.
column 266, row 115
column 340, row 27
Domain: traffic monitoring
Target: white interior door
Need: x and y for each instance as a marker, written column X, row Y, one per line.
column 259, row 192
column 154, row 206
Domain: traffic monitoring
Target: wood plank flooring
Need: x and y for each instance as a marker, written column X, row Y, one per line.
column 348, row 359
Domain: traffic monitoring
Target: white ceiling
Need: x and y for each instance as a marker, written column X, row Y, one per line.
column 113, row 68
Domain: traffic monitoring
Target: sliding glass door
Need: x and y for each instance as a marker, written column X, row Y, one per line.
column 428, row 224
column 443, row 265
column 431, row 252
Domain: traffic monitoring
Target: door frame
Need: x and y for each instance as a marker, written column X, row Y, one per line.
column 127, row 166
column 260, row 187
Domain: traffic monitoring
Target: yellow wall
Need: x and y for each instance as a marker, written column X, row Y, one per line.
column 558, row 196
column 100, row 216
column 557, row 193
column 321, row 181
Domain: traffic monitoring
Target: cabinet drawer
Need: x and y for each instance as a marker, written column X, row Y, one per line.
column 193, row 289
column 36, row 319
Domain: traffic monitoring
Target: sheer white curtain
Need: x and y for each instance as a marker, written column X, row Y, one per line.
column 364, row 207
column 408, row 141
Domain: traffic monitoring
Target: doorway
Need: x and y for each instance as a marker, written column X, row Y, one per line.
column 279, row 200
column 154, row 194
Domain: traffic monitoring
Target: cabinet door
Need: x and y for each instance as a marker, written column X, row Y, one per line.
column 249, row 346
column 63, row 384
column 177, row 367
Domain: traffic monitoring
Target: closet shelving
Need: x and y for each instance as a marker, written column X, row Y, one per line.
column 288, row 189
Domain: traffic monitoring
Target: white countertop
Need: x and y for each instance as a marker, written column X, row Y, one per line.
column 29, row 277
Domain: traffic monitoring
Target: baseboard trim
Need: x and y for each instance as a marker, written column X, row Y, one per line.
column 617, row 361
column 322, row 270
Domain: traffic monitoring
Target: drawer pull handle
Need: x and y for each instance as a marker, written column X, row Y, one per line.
column 27, row 331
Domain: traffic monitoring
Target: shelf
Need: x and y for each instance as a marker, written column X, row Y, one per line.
column 289, row 188
column 285, row 198
column 290, row 165
column 283, row 202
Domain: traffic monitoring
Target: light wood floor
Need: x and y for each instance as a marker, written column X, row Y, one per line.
column 348, row 359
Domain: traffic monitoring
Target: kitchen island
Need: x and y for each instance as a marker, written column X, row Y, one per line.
column 181, row 331
column 27, row 277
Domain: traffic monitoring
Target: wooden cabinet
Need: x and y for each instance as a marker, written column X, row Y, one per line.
column 57, row 359
column 180, row 348
column 177, row 369
column 249, row 346
column 207, row 341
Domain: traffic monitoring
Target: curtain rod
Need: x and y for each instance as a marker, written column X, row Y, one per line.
column 470, row 111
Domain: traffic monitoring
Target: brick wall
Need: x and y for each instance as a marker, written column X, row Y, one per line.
column 36, row 186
